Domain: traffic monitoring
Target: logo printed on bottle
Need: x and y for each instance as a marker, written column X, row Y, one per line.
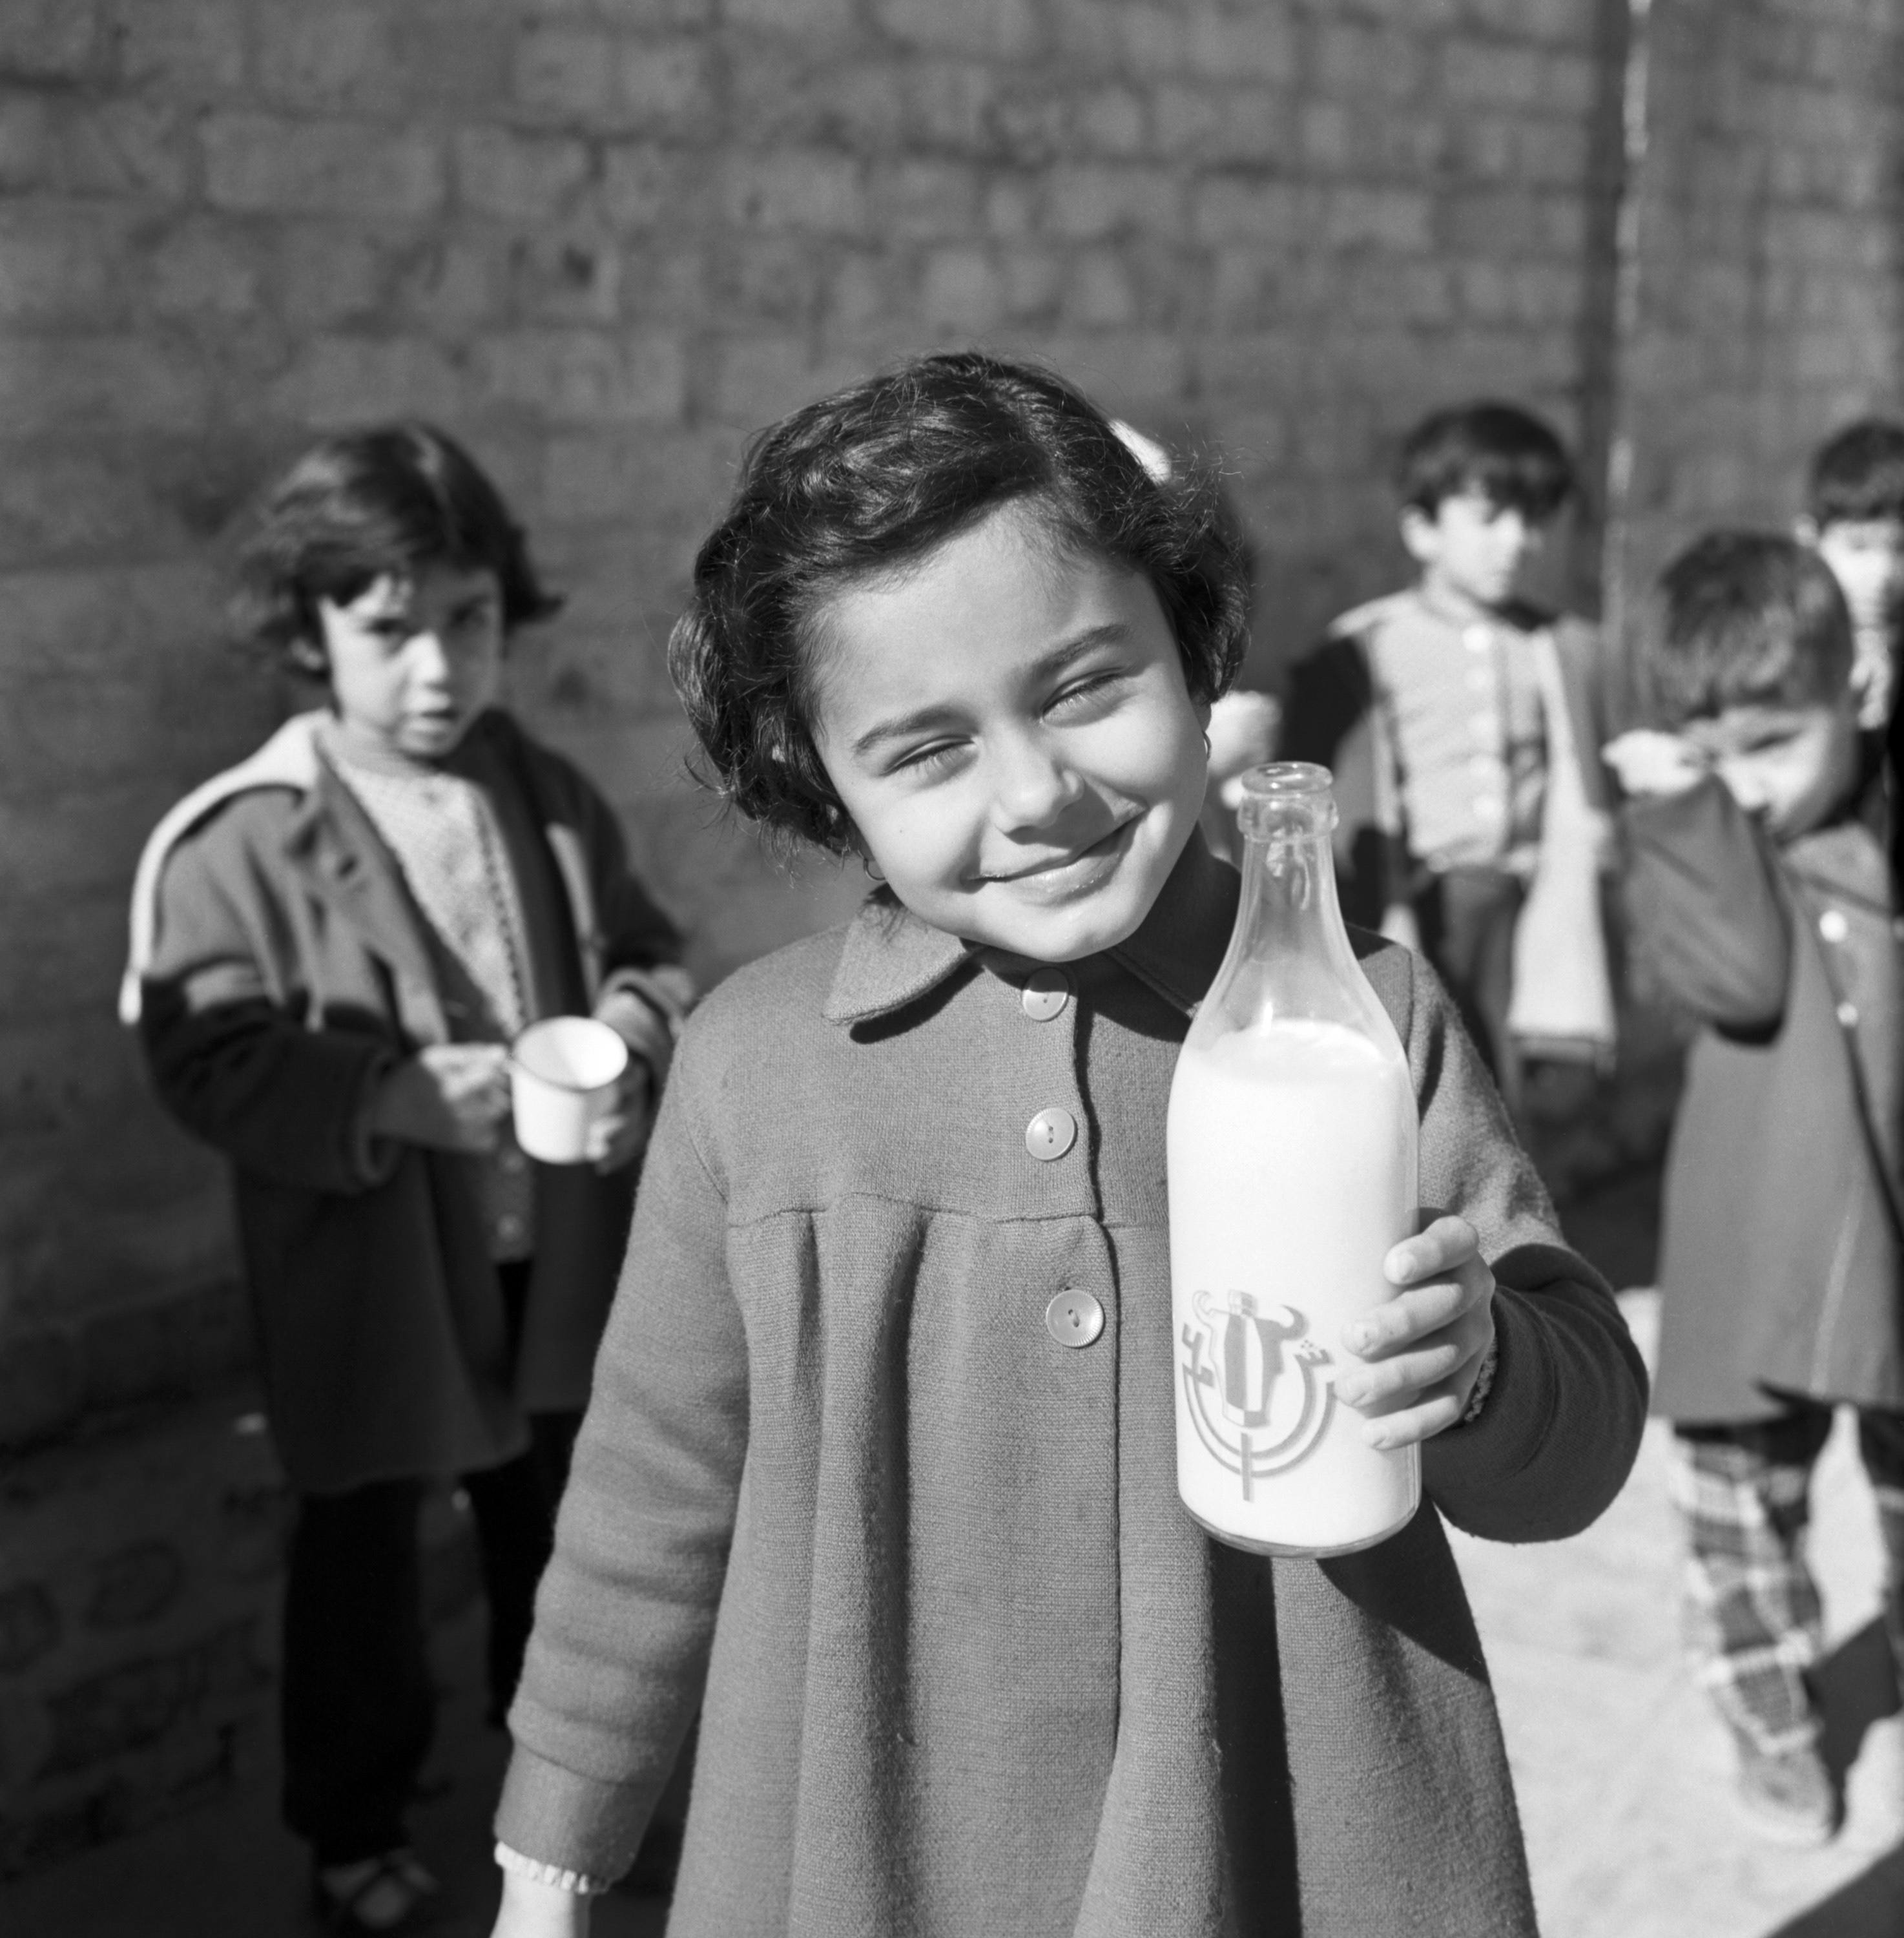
column 1260, row 1390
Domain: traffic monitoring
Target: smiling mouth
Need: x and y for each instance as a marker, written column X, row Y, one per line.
column 1070, row 874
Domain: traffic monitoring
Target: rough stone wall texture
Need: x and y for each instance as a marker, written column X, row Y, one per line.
column 1771, row 304
column 603, row 241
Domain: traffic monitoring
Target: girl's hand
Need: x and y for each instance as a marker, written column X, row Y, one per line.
column 1420, row 1352
column 533, row 1910
column 1651, row 765
column 621, row 1136
column 451, row 1096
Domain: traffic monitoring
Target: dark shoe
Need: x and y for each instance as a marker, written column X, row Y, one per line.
column 390, row 1893
column 1789, row 1794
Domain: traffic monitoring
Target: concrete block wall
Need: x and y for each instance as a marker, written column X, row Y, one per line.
column 603, row 240
column 1771, row 304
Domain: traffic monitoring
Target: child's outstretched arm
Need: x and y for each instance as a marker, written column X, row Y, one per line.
column 1702, row 901
column 1559, row 1427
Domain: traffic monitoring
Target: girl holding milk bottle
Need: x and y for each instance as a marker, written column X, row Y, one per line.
column 1053, row 1559
column 333, row 946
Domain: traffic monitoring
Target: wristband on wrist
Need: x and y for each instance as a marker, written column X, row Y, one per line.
column 1483, row 1384
column 577, row 1883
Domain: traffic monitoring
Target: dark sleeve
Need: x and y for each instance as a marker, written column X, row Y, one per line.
column 230, row 1061
column 636, row 934
column 624, row 1617
column 1703, row 902
column 1330, row 696
column 1561, row 1428
column 1328, row 692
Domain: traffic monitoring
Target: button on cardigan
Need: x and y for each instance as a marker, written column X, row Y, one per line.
column 969, row 1667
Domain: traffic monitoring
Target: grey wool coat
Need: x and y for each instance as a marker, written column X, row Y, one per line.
column 968, row 1666
column 1780, row 1255
column 280, row 969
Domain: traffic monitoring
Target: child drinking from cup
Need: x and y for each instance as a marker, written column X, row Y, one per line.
column 333, row 944
column 881, row 1452
column 1761, row 895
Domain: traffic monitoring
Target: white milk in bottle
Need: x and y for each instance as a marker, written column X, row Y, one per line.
column 1292, row 1162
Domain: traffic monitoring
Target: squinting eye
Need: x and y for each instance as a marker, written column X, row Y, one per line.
column 1093, row 688
column 926, row 760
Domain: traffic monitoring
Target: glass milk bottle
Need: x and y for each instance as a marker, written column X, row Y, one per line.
column 1292, row 1156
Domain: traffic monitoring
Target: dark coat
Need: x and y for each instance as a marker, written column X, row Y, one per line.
column 1779, row 1269
column 288, row 972
column 970, row 1668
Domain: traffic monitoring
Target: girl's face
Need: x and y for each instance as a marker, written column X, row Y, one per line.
column 1009, row 727
column 414, row 659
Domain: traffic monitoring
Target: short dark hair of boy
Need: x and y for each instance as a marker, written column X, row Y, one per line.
column 1746, row 619
column 873, row 479
column 364, row 504
column 1507, row 454
column 1858, row 475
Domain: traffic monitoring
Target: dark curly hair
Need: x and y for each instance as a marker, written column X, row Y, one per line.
column 877, row 475
column 1858, row 474
column 1745, row 619
column 1506, row 452
column 363, row 504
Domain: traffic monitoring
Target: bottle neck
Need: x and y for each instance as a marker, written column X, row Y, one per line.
column 1289, row 957
column 1290, row 913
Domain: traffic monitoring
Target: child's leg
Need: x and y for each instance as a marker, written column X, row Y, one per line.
column 357, row 1706
column 515, row 1508
column 1880, row 1441
column 1467, row 917
column 1753, row 1624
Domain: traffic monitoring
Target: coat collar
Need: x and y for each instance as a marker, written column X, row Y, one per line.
column 891, row 958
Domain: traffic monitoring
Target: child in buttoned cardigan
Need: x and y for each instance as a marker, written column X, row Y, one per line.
column 1461, row 721
column 880, row 1455
column 1761, row 895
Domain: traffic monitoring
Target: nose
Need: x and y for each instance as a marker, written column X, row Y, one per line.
column 1031, row 785
column 428, row 658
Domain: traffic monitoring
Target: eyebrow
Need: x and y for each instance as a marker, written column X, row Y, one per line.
column 1045, row 665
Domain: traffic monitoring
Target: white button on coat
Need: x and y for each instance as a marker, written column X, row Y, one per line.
column 1050, row 1134
column 1847, row 1015
column 1044, row 994
column 1832, row 926
column 1074, row 1318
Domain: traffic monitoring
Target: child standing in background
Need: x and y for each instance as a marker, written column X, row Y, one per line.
column 880, row 1451
column 1854, row 520
column 333, row 943
column 1759, row 891
column 1461, row 724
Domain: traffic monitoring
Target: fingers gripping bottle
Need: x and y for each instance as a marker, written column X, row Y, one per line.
column 1293, row 1171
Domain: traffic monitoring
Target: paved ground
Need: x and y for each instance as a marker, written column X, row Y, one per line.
column 1624, row 1774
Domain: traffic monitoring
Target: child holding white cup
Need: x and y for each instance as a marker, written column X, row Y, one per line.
column 333, row 945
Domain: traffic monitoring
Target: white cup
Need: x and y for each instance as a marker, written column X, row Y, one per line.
column 562, row 1075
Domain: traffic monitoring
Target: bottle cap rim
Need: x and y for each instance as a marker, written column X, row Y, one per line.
column 1281, row 779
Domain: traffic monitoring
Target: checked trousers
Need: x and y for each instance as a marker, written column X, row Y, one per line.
column 1753, row 1623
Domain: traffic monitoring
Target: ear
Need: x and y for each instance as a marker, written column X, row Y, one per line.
column 307, row 656
column 1421, row 534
